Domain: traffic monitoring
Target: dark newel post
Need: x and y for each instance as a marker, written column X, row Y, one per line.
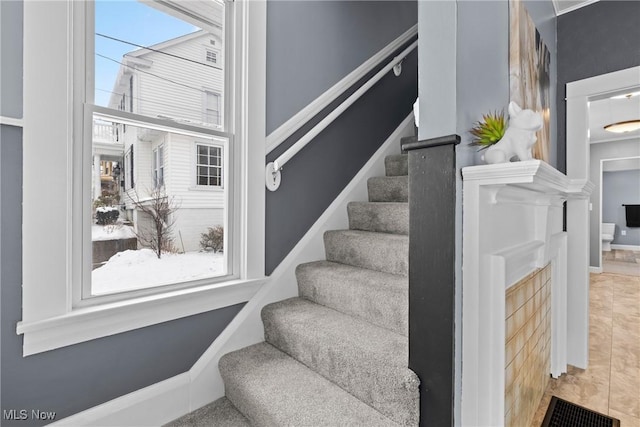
column 432, row 205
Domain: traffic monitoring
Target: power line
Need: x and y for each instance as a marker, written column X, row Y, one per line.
column 158, row 51
column 151, row 74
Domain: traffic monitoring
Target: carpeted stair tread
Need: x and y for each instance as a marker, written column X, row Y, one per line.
column 396, row 165
column 367, row 361
column 384, row 217
column 220, row 413
column 379, row 298
column 388, row 189
column 384, row 252
column 272, row 389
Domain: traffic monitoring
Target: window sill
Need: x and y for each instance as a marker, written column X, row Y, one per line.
column 206, row 188
column 89, row 323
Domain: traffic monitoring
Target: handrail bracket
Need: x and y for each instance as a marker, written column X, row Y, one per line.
column 272, row 173
column 272, row 176
column 397, row 69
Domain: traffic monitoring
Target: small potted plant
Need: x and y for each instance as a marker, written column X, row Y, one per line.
column 489, row 130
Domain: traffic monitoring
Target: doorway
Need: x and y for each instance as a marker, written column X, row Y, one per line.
column 579, row 95
column 619, row 179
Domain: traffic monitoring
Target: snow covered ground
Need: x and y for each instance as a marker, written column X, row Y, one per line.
column 140, row 269
column 111, row 232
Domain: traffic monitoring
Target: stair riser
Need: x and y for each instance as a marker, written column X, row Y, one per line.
column 382, row 301
column 380, row 217
column 381, row 252
column 388, row 189
column 391, row 390
column 397, row 165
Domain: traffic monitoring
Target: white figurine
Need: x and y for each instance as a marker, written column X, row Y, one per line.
column 519, row 137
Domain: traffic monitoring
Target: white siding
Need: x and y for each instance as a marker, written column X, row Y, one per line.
column 184, row 96
column 198, row 207
column 180, row 182
column 190, row 223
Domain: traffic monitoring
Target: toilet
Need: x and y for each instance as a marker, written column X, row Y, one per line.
column 608, row 231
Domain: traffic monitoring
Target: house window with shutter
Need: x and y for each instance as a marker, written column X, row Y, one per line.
column 212, row 111
column 158, row 167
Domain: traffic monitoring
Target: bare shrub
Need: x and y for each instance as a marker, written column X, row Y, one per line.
column 160, row 209
column 213, row 239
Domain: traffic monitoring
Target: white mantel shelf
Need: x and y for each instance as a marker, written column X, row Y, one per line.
column 512, row 225
column 535, row 175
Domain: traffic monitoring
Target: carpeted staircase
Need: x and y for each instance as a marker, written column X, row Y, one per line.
column 337, row 355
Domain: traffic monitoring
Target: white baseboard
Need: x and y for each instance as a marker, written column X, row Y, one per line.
column 167, row 400
column 596, row 270
column 151, row 406
column 625, row 247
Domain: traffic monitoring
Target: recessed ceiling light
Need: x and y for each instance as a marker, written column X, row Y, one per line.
column 626, row 95
column 623, row 127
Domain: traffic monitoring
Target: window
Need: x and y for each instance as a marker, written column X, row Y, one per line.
column 158, row 167
column 59, row 305
column 212, row 108
column 208, row 165
column 166, row 81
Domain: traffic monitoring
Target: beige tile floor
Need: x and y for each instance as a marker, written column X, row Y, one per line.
column 611, row 384
column 621, row 262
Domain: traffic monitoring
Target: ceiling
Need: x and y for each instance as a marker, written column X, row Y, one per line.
column 611, row 110
column 564, row 6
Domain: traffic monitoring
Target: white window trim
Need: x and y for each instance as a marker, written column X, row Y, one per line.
column 157, row 165
column 49, row 317
column 205, row 104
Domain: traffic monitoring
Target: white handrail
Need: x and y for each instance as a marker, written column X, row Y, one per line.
column 272, row 173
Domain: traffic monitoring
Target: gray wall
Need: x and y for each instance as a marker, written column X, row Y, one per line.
column 482, row 38
column 481, row 85
column 11, row 59
column 74, row 378
column 618, row 188
column 607, row 150
column 596, row 39
column 317, row 174
column 311, row 45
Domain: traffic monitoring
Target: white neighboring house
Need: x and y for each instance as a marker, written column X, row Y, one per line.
column 181, row 80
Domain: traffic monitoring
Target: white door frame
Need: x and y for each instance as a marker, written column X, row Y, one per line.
column 579, row 93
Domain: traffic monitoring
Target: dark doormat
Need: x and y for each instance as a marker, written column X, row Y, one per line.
column 566, row 414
